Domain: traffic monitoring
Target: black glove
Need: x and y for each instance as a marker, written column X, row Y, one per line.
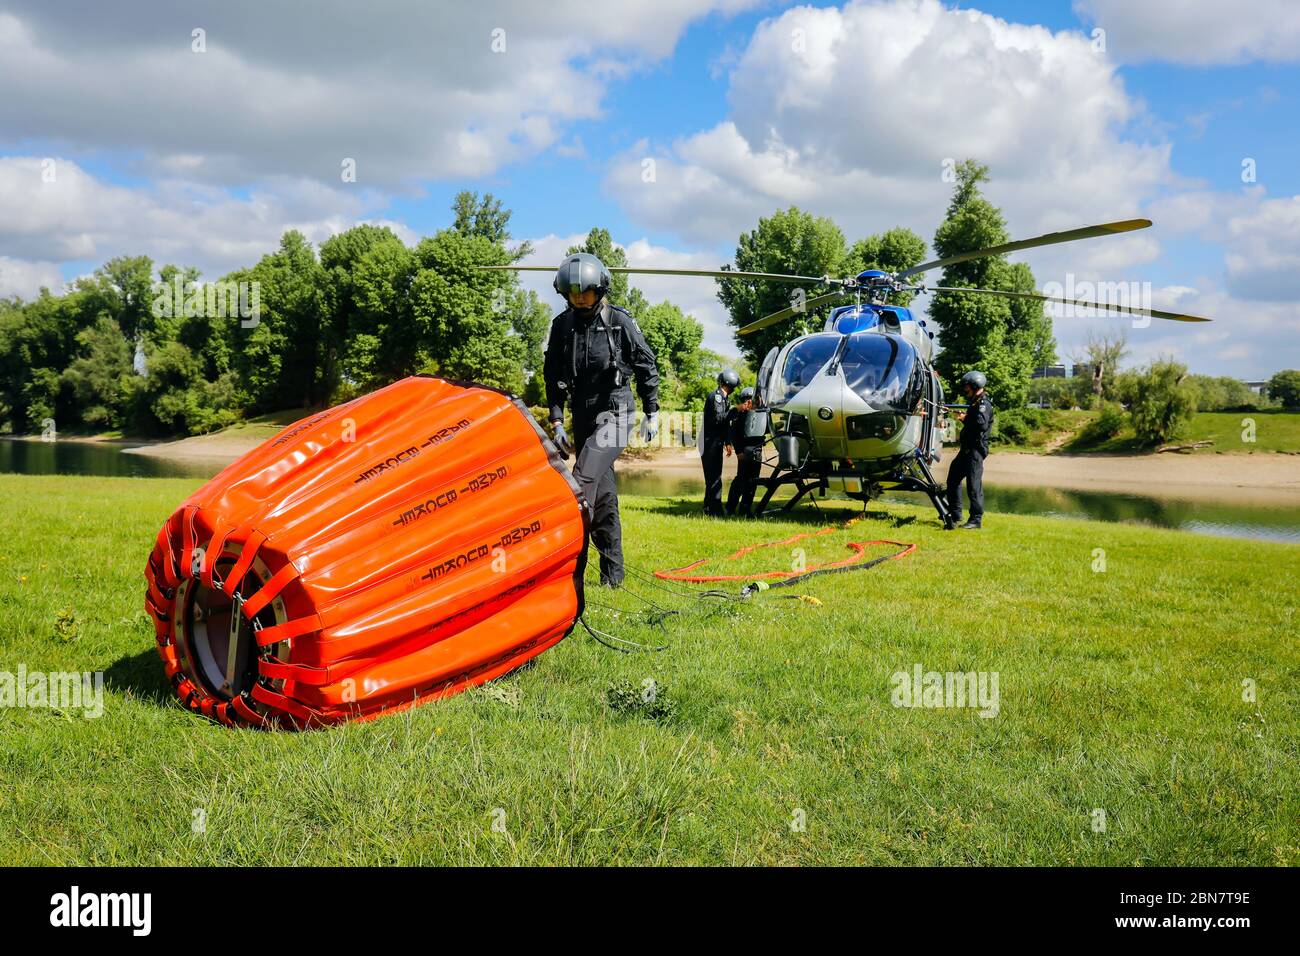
column 562, row 440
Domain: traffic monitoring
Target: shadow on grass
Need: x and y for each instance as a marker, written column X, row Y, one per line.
column 820, row 513
column 141, row 675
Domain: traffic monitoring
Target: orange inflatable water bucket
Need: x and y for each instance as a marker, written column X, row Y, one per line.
column 405, row 546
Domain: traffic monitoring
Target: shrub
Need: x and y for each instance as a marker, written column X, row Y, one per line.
column 1284, row 388
column 1162, row 402
column 1108, row 423
column 1016, row 426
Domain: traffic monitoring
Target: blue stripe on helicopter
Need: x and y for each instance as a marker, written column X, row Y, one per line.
column 856, row 318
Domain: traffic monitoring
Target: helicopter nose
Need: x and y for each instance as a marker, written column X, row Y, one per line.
column 824, row 405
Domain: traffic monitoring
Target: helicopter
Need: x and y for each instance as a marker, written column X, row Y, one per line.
column 858, row 407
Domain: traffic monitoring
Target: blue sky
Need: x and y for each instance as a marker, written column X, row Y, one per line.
column 204, row 157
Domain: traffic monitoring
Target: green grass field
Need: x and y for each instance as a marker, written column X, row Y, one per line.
column 1247, row 433
column 1120, row 690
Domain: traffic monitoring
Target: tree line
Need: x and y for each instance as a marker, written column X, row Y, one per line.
column 125, row 349
column 164, row 353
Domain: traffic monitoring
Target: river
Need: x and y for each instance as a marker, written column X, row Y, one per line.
column 1261, row 521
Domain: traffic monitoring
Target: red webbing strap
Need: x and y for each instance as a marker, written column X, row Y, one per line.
column 282, row 632
column 156, row 596
column 268, row 591
column 280, row 702
column 278, row 670
column 243, row 710
column 215, row 544
column 251, row 544
column 161, row 621
column 187, row 539
column 170, row 662
column 168, row 557
column 186, row 691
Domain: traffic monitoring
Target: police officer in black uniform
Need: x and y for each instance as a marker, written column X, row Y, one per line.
column 976, row 421
column 594, row 352
column 749, row 457
column 715, row 437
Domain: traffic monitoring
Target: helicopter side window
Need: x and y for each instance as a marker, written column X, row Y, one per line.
column 882, row 369
column 805, row 359
column 765, row 378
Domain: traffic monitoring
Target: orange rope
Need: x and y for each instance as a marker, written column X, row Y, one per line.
column 858, row 548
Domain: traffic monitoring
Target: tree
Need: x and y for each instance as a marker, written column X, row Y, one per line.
column 367, row 273
column 789, row 241
column 1160, row 400
column 983, row 331
column 1031, row 326
column 1052, row 392
column 122, row 289
column 600, row 244
column 1284, row 388
column 458, row 333
column 486, row 218
column 891, row 251
column 1222, row 393
column 530, row 317
column 100, row 376
column 1102, row 354
column 37, row 342
column 675, row 339
column 277, row 359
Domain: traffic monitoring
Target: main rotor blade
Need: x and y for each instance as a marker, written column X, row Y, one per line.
column 1130, row 310
column 712, row 273
column 1051, row 239
column 808, row 305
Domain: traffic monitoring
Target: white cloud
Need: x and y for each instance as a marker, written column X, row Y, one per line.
column 79, row 216
column 25, row 279
column 1198, row 32
column 410, row 90
column 864, row 138
column 1263, row 257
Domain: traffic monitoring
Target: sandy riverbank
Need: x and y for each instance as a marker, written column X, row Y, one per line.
column 1258, row 478
column 222, row 447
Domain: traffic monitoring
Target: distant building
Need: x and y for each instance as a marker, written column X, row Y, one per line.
column 1081, row 369
column 1049, row 371
column 1259, row 388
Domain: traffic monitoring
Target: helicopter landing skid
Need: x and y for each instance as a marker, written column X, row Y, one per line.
column 803, row 483
column 915, row 475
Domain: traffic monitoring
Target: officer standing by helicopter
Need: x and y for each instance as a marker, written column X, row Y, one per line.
column 968, row 466
column 749, row 457
column 715, row 437
column 594, row 352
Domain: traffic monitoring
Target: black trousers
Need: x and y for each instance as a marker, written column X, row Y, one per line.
column 741, row 493
column 598, row 442
column 711, row 457
column 968, row 466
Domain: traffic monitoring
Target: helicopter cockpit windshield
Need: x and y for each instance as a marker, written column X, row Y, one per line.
column 882, row 370
column 803, row 361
